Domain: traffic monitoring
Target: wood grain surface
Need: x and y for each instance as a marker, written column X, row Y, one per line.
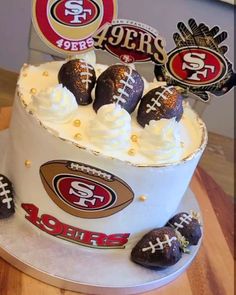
column 212, row 271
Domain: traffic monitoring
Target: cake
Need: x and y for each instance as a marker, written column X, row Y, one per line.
column 95, row 163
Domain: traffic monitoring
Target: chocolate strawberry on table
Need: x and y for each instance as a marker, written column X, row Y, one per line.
column 119, row 84
column 157, row 249
column 79, row 77
column 188, row 226
column 7, row 207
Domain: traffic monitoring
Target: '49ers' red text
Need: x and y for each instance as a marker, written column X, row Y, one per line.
column 54, row 227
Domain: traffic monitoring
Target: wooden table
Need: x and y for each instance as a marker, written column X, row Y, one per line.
column 210, row 273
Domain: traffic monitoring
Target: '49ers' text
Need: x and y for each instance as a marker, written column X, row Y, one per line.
column 54, row 227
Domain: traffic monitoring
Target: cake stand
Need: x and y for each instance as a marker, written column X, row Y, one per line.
column 82, row 269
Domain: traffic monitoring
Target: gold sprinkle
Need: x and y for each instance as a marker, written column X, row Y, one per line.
column 25, row 74
column 33, row 91
column 28, row 163
column 134, row 138
column 143, row 198
column 131, row 152
column 45, row 73
column 78, row 136
column 77, row 123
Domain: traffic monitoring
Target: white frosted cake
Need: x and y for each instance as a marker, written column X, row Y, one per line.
column 93, row 175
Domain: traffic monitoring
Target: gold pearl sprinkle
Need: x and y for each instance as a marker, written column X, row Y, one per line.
column 78, row 136
column 77, row 123
column 143, row 198
column 45, row 74
column 134, row 138
column 28, row 163
column 25, row 74
column 33, row 91
column 131, row 152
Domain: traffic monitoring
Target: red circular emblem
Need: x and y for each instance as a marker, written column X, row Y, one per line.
column 67, row 26
column 83, row 193
column 196, row 66
column 72, row 14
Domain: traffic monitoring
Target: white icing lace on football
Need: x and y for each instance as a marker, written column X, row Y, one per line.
column 160, row 244
column 5, row 193
column 126, row 84
column 185, row 219
column 89, row 170
column 155, row 100
column 86, row 74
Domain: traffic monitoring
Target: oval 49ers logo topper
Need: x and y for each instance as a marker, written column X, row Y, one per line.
column 131, row 41
column 67, row 26
column 198, row 64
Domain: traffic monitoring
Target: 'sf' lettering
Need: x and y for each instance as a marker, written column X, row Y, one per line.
column 195, row 62
column 85, row 192
column 75, row 8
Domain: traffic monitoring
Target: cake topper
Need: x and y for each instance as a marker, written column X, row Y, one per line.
column 79, row 77
column 198, row 62
column 67, row 26
column 131, row 41
column 160, row 103
column 119, row 84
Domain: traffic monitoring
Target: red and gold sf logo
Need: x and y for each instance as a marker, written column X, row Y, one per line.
column 83, row 193
column 57, row 22
column 196, row 66
column 75, row 13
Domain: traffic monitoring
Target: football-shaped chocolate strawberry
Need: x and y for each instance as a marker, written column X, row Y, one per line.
column 188, row 226
column 159, row 103
column 157, row 249
column 119, row 84
column 7, row 207
column 79, row 77
column 84, row 191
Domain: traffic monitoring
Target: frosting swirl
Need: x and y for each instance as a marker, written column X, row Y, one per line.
column 55, row 104
column 160, row 141
column 112, row 128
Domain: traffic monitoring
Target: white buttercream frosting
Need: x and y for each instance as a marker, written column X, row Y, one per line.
column 160, row 141
column 190, row 127
column 111, row 129
column 55, row 104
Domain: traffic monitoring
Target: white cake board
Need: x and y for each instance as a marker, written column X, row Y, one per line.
column 69, row 266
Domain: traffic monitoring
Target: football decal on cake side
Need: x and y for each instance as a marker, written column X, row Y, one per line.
column 84, row 191
column 121, row 85
column 7, row 207
column 79, row 77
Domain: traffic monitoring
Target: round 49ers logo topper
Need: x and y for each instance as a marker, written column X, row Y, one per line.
column 67, row 26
